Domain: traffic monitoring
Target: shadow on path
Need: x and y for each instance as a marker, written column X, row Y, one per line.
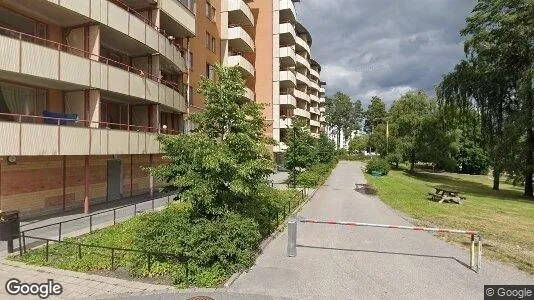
column 386, row 252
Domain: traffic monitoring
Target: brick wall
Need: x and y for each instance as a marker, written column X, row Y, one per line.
column 35, row 183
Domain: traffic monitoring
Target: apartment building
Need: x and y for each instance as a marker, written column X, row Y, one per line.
column 86, row 87
column 273, row 50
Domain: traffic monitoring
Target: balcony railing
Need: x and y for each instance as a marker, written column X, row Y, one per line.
column 180, row 88
column 39, row 135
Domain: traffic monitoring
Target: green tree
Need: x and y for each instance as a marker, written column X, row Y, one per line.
column 221, row 165
column 357, row 144
column 410, row 114
column 342, row 115
column 497, row 74
column 376, row 114
column 325, row 149
column 301, row 150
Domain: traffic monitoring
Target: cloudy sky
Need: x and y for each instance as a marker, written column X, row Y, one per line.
column 384, row 47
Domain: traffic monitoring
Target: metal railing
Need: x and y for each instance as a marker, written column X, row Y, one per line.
column 24, row 233
column 177, row 258
column 180, row 88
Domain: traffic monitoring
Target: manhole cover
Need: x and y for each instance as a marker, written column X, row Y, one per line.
column 365, row 189
column 201, row 298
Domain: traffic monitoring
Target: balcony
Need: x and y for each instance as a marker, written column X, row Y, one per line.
column 178, row 17
column 322, row 91
column 302, row 61
column 314, row 98
column 302, row 45
column 288, row 99
column 249, row 94
column 315, row 110
column 301, row 113
column 322, row 119
column 123, row 24
column 287, row 79
column 314, row 73
column 240, row 40
column 38, row 138
column 239, row 13
column 302, row 79
column 287, row 10
column 287, row 57
column 242, row 63
column 285, row 123
column 50, row 64
column 314, row 85
column 315, row 123
column 301, row 95
column 287, row 34
column 322, row 109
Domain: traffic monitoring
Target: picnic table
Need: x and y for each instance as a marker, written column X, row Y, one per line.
column 446, row 194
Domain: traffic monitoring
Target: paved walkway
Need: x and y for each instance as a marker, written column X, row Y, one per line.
column 336, row 262
column 75, row 285
column 103, row 217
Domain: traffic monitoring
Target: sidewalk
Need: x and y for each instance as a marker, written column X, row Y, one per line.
column 103, row 218
column 75, row 285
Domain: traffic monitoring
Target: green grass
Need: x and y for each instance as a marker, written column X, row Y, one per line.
column 504, row 218
column 134, row 265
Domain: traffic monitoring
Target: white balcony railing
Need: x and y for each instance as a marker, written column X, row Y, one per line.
column 288, row 99
column 301, row 95
column 242, row 63
column 303, row 61
column 301, row 113
column 314, row 73
column 288, row 78
column 301, row 43
column 287, row 56
column 181, row 12
column 287, row 34
column 315, row 123
column 240, row 40
column 249, row 94
column 239, row 13
column 287, row 8
column 314, row 98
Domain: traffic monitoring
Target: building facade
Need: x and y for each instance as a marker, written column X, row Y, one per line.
column 86, row 87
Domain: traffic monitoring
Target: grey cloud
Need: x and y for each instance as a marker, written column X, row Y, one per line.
column 384, row 47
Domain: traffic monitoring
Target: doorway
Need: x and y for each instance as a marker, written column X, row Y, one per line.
column 114, row 179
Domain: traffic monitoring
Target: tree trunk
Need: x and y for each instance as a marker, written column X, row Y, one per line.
column 530, row 145
column 338, row 138
column 412, row 161
column 496, row 177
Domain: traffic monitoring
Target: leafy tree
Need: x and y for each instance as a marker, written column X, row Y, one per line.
column 301, row 148
column 497, row 74
column 357, row 144
column 221, row 165
column 342, row 115
column 375, row 114
column 410, row 114
column 325, row 149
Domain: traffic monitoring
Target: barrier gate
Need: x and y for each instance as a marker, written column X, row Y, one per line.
column 475, row 236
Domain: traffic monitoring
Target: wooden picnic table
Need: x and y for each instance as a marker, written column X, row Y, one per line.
column 446, row 194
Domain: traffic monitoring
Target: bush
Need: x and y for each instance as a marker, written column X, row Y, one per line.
column 315, row 175
column 378, row 164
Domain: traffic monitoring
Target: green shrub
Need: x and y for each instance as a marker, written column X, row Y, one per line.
column 378, row 164
column 315, row 175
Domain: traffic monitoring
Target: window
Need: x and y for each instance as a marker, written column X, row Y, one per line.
column 213, row 45
column 190, row 60
column 210, row 11
column 23, row 100
column 208, row 40
column 211, row 42
column 210, row 72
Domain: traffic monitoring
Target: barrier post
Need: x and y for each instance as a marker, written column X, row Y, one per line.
column 472, row 256
column 479, row 256
column 292, row 238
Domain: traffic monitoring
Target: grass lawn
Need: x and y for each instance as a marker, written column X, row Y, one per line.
column 504, row 218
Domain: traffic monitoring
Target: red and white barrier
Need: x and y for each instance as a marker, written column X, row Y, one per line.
column 292, row 235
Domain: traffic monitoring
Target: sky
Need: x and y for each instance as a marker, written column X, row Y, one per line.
column 384, row 48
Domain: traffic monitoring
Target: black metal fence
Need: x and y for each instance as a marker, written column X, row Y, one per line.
column 89, row 222
column 149, row 254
